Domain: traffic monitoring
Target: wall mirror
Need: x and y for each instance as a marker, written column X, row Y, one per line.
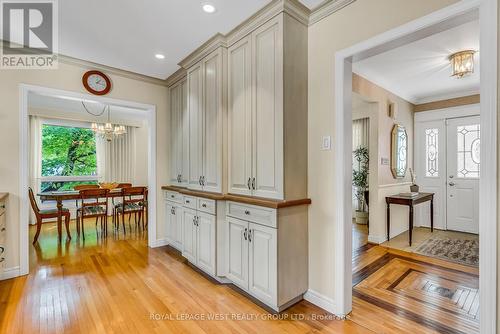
column 399, row 151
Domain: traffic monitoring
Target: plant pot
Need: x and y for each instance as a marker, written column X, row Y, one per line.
column 361, row 217
column 414, row 188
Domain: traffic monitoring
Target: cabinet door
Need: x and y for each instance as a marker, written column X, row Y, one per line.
column 189, row 235
column 174, row 145
column 195, row 97
column 237, row 252
column 263, row 263
column 212, row 122
column 240, row 117
column 206, row 243
column 267, row 42
column 184, row 129
column 177, row 232
column 169, row 221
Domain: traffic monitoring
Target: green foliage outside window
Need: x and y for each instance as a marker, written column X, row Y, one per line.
column 67, row 151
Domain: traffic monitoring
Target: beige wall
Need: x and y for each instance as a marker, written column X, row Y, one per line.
column 354, row 23
column 67, row 77
column 382, row 182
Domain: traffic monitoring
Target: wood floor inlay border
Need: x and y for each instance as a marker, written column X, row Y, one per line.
column 434, row 294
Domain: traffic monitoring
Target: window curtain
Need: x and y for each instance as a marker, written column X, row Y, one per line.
column 360, row 138
column 35, row 150
column 116, row 159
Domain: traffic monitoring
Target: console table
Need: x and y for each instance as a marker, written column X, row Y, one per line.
column 410, row 202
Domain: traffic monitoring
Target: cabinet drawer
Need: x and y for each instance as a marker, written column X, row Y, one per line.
column 252, row 213
column 174, row 197
column 190, row 202
column 206, row 205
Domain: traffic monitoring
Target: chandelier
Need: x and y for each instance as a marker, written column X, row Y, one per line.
column 462, row 63
column 106, row 131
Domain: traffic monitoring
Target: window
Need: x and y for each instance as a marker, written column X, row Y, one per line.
column 68, row 157
column 468, row 151
column 432, row 152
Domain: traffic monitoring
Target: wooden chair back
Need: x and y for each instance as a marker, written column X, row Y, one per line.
column 94, row 197
column 133, row 195
column 34, row 205
column 86, row 186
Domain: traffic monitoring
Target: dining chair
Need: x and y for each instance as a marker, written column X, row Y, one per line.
column 131, row 199
column 145, row 207
column 46, row 214
column 121, row 186
column 94, row 203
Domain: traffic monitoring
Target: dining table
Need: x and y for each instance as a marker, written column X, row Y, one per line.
column 66, row 195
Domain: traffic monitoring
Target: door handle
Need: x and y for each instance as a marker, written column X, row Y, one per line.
column 245, row 234
column 250, row 235
column 253, row 183
column 248, row 183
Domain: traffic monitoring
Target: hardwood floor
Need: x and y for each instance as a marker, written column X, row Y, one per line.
column 400, row 292
column 119, row 285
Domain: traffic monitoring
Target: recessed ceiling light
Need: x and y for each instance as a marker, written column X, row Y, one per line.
column 208, row 8
column 159, row 56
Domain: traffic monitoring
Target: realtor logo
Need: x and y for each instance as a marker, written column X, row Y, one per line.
column 29, row 34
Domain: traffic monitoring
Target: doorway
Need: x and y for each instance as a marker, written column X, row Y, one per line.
column 148, row 115
column 487, row 195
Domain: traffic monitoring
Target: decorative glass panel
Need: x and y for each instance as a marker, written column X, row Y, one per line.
column 468, row 151
column 431, row 152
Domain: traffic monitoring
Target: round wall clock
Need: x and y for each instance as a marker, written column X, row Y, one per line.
column 96, row 82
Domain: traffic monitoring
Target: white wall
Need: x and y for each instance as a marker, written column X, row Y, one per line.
column 357, row 22
column 68, row 77
column 382, row 182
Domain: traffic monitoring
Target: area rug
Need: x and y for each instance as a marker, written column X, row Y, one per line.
column 463, row 251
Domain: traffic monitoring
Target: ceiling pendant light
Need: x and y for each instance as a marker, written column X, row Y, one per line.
column 462, row 63
column 106, row 131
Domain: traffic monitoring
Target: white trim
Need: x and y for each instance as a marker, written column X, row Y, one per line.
column 448, row 96
column 448, row 113
column 150, row 111
column 9, row 273
column 320, row 300
column 377, row 239
column 327, row 8
column 488, row 244
column 159, row 243
column 488, row 186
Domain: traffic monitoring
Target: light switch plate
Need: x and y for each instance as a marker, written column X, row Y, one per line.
column 326, row 144
column 384, row 161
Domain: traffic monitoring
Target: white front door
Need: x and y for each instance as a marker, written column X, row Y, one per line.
column 463, row 166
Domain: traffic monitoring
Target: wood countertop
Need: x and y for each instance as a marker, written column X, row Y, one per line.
column 266, row 202
column 3, row 196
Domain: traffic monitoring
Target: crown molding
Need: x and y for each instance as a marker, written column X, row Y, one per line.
column 327, row 8
column 176, row 77
column 111, row 70
column 218, row 40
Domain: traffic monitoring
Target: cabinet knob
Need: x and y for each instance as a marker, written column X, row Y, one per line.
column 204, row 205
column 253, row 183
column 250, row 235
column 245, row 233
column 3, row 229
column 188, row 201
column 248, row 183
column 2, row 259
column 247, row 212
column 2, row 249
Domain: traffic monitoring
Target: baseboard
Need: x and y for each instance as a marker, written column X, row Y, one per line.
column 158, row 243
column 320, row 300
column 376, row 239
column 9, row 273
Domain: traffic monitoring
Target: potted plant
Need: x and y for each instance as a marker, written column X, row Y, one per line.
column 360, row 182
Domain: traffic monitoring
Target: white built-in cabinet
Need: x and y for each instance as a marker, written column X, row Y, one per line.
column 205, row 108
column 252, row 258
column 199, row 244
column 179, row 134
column 258, row 94
column 174, row 214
